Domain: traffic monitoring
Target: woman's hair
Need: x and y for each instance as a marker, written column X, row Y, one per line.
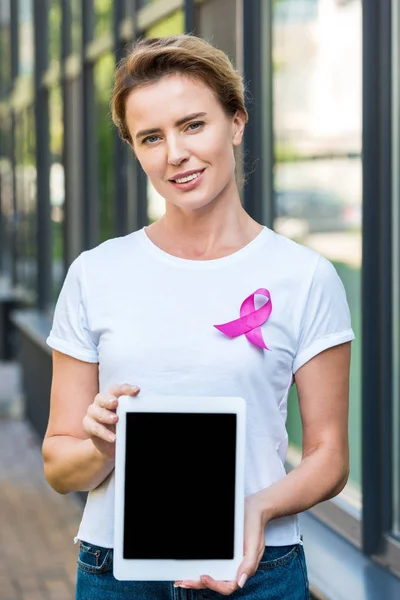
column 150, row 60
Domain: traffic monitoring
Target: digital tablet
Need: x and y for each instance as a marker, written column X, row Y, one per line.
column 179, row 487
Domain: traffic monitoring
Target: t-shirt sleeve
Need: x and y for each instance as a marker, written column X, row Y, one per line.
column 326, row 316
column 70, row 331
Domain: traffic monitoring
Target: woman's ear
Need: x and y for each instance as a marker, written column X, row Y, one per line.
column 238, row 124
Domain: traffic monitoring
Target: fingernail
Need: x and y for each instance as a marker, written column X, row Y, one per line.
column 242, row 580
column 112, row 437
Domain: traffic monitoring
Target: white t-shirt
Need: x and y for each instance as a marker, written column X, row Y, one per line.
column 148, row 318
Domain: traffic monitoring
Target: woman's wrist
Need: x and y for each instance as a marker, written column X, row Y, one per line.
column 100, row 457
column 260, row 502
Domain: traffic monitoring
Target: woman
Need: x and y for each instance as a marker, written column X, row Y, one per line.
column 144, row 309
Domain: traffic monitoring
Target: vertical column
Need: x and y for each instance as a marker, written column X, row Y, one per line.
column 72, row 151
column 90, row 195
column 189, row 16
column 44, row 250
column 376, row 274
column 257, row 170
column 120, row 148
column 14, row 53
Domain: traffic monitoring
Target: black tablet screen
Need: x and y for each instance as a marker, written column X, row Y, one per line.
column 179, row 486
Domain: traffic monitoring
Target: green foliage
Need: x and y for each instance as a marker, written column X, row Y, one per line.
column 55, row 30
column 172, row 25
column 284, row 153
column 103, row 15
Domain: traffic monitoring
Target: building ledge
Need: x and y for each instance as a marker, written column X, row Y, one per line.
column 337, row 570
column 34, row 324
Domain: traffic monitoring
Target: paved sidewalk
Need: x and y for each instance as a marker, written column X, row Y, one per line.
column 37, row 525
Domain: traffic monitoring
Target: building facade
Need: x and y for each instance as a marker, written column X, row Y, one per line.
column 321, row 157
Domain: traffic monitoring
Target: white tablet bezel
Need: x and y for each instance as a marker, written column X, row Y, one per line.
column 167, row 569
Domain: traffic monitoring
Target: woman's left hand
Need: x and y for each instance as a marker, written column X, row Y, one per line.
column 254, row 545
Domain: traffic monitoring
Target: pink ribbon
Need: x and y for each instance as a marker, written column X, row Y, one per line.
column 250, row 320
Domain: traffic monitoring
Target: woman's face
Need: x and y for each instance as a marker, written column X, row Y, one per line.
column 184, row 140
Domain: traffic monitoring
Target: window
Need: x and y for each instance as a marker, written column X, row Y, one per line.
column 26, row 43
column 215, row 21
column 6, row 199
column 5, row 74
column 25, row 218
column 317, row 106
column 57, row 189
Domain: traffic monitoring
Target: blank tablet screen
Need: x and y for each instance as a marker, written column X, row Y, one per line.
column 179, row 486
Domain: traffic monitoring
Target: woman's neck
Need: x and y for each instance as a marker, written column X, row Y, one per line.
column 203, row 236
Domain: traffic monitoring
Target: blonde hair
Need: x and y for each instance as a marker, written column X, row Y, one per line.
column 149, row 60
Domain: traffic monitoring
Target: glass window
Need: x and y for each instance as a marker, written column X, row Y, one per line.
column 57, row 188
column 26, row 42
column 25, row 218
column 5, row 71
column 103, row 76
column 215, row 21
column 6, row 198
column 103, row 13
column 55, row 30
column 317, row 103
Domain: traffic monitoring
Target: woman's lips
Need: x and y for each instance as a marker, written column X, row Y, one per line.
column 189, row 185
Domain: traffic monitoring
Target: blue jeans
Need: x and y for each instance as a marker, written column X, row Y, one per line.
column 281, row 575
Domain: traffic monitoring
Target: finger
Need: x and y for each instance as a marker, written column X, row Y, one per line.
column 190, row 584
column 102, row 415
column 222, row 587
column 106, row 401
column 126, row 389
column 94, row 429
column 248, row 566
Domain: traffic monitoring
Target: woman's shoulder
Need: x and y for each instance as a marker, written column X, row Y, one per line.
column 294, row 254
column 111, row 251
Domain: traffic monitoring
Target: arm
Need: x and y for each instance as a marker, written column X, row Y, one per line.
column 78, row 448
column 323, row 391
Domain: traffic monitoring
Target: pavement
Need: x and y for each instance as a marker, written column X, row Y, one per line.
column 37, row 525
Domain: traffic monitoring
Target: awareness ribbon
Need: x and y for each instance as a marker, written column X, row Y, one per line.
column 250, row 320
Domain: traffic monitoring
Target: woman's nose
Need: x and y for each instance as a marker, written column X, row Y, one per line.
column 177, row 151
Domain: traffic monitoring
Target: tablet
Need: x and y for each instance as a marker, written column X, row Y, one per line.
column 179, row 487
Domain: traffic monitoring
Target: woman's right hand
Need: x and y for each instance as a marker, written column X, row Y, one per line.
column 100, row 419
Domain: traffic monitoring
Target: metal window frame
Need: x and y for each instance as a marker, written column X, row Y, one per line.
column 190, row 16
column 376, row 277
column 396, row 250
column 257, row 71
column 72, row 200
column 90, row 194
column 44, row 256
column 121, row 182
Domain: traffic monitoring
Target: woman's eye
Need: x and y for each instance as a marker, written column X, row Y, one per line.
column 151, row 139
column 195, row 126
